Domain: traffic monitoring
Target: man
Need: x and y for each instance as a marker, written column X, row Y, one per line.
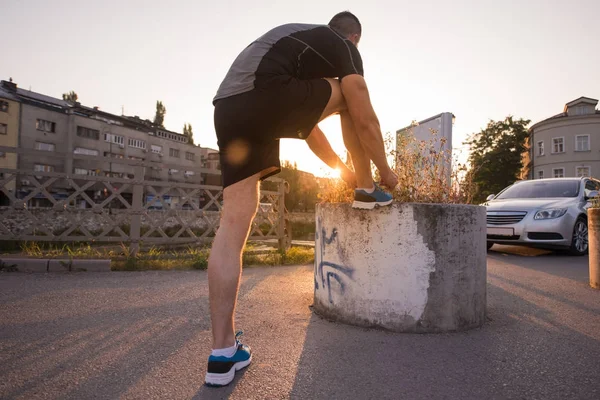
column 281, row 86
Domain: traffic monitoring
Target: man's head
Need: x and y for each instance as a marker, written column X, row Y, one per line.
column 348, row 25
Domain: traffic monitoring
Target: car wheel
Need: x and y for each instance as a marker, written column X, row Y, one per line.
column 579, row 242
column 489, row 245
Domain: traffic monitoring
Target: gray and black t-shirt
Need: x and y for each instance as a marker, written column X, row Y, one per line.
column 302, row 51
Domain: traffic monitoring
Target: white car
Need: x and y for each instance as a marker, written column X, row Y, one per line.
column 543, row 213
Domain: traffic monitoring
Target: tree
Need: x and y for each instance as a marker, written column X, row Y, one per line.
column 187, row 131
column 303, row 188
column 159, row 117
column 71, row 97
column 496, row 158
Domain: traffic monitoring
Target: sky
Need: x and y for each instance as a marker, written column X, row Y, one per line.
column 480, row 60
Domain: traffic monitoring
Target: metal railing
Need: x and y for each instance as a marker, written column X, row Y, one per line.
column 87, row 208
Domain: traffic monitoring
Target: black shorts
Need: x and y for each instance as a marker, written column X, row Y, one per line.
column 249, row 125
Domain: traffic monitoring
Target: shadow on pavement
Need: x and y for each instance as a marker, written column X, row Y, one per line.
column 105, row 353
column 212, row 393
column 554, row 263
column 525, row 350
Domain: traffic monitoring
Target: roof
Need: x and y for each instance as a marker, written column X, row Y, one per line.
column 7, row 95
column 42, row 98
column 580, row 100
column 11, row 91
column 425, row 121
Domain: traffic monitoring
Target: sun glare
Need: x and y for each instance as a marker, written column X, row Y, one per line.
column 335, row 173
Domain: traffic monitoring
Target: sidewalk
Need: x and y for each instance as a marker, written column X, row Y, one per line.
column 146, row 335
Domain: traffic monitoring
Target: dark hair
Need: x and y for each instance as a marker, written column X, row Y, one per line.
column 346, row 23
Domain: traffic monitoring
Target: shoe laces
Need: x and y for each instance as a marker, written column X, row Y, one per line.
column 377, row 187
column 238, row 335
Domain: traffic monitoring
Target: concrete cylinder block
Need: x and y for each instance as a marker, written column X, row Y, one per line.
column 405, row 267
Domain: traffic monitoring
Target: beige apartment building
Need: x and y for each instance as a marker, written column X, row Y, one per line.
column 53, row 125
column 9, row 135
column 211, row 160
column 567, row 144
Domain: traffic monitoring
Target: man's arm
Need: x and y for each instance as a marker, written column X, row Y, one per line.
column 358, row 101
column 319, row 145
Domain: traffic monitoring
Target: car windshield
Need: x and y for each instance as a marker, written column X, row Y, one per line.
column 541, row 189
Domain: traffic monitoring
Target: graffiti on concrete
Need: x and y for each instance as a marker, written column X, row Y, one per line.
column 327, row 271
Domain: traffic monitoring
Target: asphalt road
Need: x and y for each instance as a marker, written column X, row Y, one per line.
column 145, row 335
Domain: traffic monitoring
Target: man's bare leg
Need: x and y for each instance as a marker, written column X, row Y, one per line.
column 362, row 163
column 240, row 203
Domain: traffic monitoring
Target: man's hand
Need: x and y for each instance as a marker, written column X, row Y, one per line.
column 318, row 143
column 348, row 176
column 389, row 179
column 355, row 91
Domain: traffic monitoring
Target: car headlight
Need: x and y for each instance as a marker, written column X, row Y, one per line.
column 550, row 214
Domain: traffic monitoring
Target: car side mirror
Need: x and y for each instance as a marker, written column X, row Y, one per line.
column 592, row 194
column 490, row 197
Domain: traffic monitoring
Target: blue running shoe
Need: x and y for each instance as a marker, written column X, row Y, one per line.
column 221, row 370
column 369, row 201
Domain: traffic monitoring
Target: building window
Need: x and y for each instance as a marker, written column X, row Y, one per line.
column 44, row 146
column 540, row 148
column 3, row 129
column 112, row 155
column 582, row 172
column 138, row 144
column 558, row 172
column 156, row 149
column 582, row 143
column 45, row 126
column 540, row 174
column 583, row 110
column 88, row 133
column 116, row 139
column 3, row 106
column 558, row 145
column 88, row 152
column 190, row 156
column 2, row 155
column 43, row 168
column 174, row 153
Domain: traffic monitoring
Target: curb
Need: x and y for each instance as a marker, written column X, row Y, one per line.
column 58, row 265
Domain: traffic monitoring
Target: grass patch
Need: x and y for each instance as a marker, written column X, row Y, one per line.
column 299, row 255
column 163, row 258
column 194, row 258
column 293, row 256
column 427, row 173
column 73, row 250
